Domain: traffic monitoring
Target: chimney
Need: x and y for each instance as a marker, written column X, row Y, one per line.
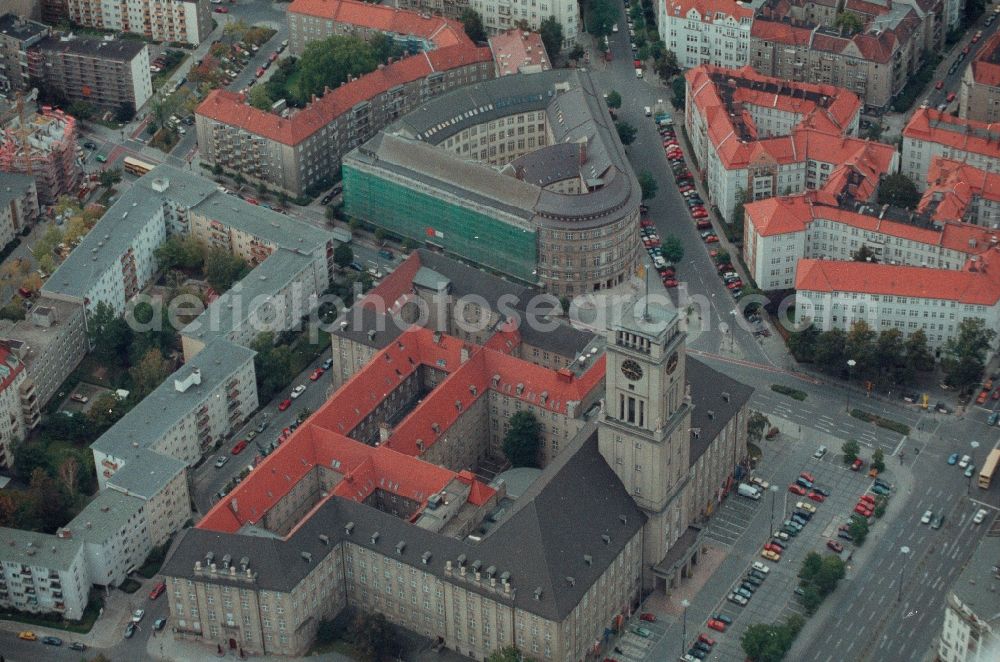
column 384, row 431
column 348, row 528
column 182, row 384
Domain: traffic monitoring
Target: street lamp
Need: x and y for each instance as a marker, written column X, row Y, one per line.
column 684, row 626
column 774, row 494
column 904, row 550
column 850, row 373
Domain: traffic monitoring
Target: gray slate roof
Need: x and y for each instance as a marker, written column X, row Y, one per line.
column 707, row 387
column 164, row 407
column 555, row 523
column 119, row 50
column 105, row 515
column 978, row 585
column 15, row 545
column 13, row 186
column 145, row 472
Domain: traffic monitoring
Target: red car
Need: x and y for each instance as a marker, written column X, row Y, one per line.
column 238, row 448
column 835, row 546
column 707, row 640
column 857, row 464
column 983, row 395
column 808, row 476
column 648, row 617
column 950, row 97
column 996, row 394
column 773, row 548
column 711, row 239
column 797, row 489
column 939, row 85
column 285, row 404
column 699, row 213
column 868, row 498
column 670, row 282
column 157, row 591
column 221, row 10
column 966, row 50
column 260, row 71
column 646, row 223
column 734, row 285
column 273, row 56
column 817, row 497
column 716, row 625
column 704, row 224
column 316, row 374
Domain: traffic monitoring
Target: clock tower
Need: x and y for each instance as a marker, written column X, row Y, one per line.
column 645, row 433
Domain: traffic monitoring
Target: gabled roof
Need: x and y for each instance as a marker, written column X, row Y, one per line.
column 986, row 65
column 708, row 10
column 384, row 18
column 935, row 126
column 952, row 186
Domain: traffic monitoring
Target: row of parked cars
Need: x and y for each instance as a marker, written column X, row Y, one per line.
column 685, row 184
column 742, row 591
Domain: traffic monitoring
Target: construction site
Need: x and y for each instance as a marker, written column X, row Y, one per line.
column 40, row 143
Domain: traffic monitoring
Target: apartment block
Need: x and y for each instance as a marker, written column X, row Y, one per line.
column 44, row 147
column 160, row 482
column 519, row 52
column 18, row 205
column 446, row 8
column 971, row 628
column 13, row 420
column 43, row 573
column 706, row 31
column 759, row 137
column 930, row 134
column 109, row 74
column 502, row 15
column 214, row 393
column 186, row 21
column 296, row 150
column 798, row 41
column 51, row 342
column 979, row 98
column 17, row 35
column 960, row 192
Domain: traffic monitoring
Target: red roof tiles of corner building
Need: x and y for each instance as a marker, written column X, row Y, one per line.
column 965, row 135
column 708, row 9
column 384, row 19
column 945, row 174
column 228, row 107
column 978, row 288
column 393, row 287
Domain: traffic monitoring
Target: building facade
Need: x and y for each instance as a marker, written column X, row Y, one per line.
column 186, row 21
column 44, row 147
column 43, row 573
column 18, row 205
column 503, row 15
column 516, row 186
column 13, row 419
column 930, row 134
column 979, row 98
column 109, row 75
column 706, row 31
column 17, row 35
column 298, row 150
column 960, row 192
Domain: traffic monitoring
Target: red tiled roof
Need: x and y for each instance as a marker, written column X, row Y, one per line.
column 515, row 49
column 971, row 287
column 230, row 108
column 965, row 135
column 864, row 7
column 707, row 9
column 783, row 33
column 877, row 48
column 830, row 43
column 952, row 185
column 442, row 31
column 986, row 64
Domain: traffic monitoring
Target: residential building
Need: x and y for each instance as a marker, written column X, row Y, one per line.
column 109, row 74
column 706, row 31
column 931, row 133
column 524, row 175
column 51, row 342
column 297, row 150
column 755, row 137
column 971, row 628
column 18, row 205
column 979, row 98
column 503, row 15
column 44, row 146
column 193, row 410
column 799, row 41
column 115, row 536
column 186, row 21
column 30, row 9
column 960, row 192
column 41, row 572
column 519, row 52
column 13, row 423
column 161, row 483
column 446, row 8
column 17, row 35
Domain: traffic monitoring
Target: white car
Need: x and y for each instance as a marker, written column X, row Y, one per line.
column 808, row 507
column 979, row 516
column 298, row 390
column 926, row 519
column 964, row 462
column 820, row 452
column 137, row 615
column 760, row 482
column 757, row 565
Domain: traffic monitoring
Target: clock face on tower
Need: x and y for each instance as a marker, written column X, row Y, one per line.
column 631, row 370
column 672, row 363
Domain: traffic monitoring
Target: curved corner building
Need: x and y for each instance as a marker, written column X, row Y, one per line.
column 523, row 174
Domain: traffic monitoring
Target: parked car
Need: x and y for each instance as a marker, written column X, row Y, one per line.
column 159, row 623
column 964, row 462
column 806, row 506
column 725, row 619
column 648, row 617
column 738, row 599
column 137, row 615
column 816, row 496
column 844, row 535
column 221, row 461
column 52, row 641
column 316, row 374
column 27, row 635
column 716, row 625
column 979, row 516
column 926, row 519
column 298, row 390
column 970, row 470
column 129, row 630
column 770, row 556
column 797, row 489
column 157, row 590
column 239, row 447
column 78, row 646
column 857, row 464
column 820, row 452
column 835, row 546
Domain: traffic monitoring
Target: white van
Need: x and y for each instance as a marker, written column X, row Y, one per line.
column 638, row 73
column 614, row 28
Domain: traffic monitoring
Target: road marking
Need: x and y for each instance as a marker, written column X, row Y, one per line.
column 881, row 598
column 954, row 555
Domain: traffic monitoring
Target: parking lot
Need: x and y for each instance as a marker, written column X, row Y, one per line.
column 632, row 647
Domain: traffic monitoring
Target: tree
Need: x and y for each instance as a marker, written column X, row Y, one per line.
column 679, row 87
column 666, row 67
column 672, row 249
column 473, row 24
column 125, row 113
column 831, row 571
column 802, row 344
column 889, row 355
column 964, row 354
column 509, row 654
column 858, row 529
column 260, row 98
column 850, row 448
column 13, row 311
column 766, row 643
column 149, row 372
column 105, row 412
column 27, row 458
column 343, row 255
column 756, row 425
column 626, row 132
column 374, row 636
column 829, row 354
column 109, row 334
column 186, row 253
column 68, row 472
column 614, row 100
column 811, row 599
column 849, row 23
column 878, row 460
column 552, row 37
column 523, row 440
column 600, row 15
column 110, row 177
column 918, row 355
column 811, row 565
column 81, row 110
column 223, row 268
column 647, row 184
column 48, row 502
column 576, row 52
column 859, row 346
column 898, row 190
column 864, row 254
column 742, row 197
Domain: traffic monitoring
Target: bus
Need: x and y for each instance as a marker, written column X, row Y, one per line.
column 136, row 167
column 989, row 468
